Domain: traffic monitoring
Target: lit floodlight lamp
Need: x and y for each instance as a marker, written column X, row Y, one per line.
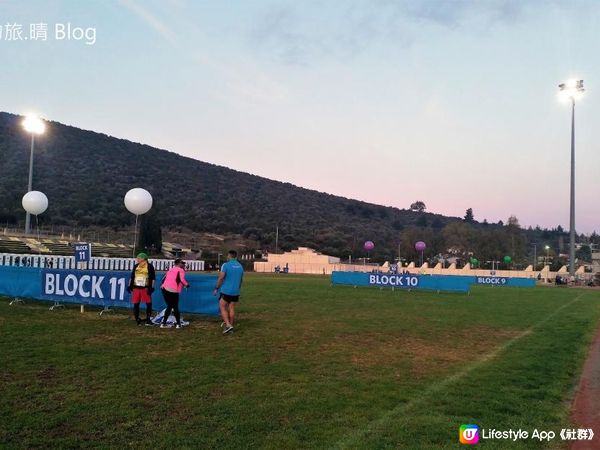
column 33, row 124
column 571, row 90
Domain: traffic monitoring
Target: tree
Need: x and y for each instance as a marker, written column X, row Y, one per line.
column 459, row 238
column 437, row 224
column 584, row 253
column 421, row 221
column 408, row 239
column 469, row 216
column 557, row 264
column 513, row 222
column 418, row 206
column 150, row 236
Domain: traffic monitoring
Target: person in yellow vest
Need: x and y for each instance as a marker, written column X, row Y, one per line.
column 141, row 287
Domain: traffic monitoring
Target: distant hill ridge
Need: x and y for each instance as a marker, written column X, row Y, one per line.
column 86, row 174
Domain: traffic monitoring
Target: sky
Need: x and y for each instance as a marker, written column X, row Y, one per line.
column 450, row 102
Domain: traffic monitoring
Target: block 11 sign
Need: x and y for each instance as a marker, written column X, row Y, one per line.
column 83, row 253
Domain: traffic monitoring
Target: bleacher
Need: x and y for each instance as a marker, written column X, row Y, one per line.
column 112, row 250
column 58, row 247
column 49, row 246
column 59, row 253
column 171, row 250
column 13, row 245
column 36, row 246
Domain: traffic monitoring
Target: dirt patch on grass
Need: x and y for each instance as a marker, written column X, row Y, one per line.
column 47, row 374
column 103, row 339
column 424, row 355
column 166, row 349
column 8, row 377
column 117, row 315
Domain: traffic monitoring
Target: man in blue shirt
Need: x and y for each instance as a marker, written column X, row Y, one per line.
column 229, row 284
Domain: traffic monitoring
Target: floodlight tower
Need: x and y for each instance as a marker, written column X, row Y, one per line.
column 572, row 90
column 36, row 126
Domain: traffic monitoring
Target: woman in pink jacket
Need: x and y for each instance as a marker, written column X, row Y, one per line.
column 170, row 287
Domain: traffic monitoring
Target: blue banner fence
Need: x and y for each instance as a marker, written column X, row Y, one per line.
column 101, row 288
column 446, row 283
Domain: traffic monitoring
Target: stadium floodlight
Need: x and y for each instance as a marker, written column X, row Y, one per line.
column 35, row 126
column 572, row 90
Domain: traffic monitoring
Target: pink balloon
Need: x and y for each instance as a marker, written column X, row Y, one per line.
column 369, row 245
column 420, row 246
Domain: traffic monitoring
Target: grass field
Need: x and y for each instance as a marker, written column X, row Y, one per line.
column 310, row 366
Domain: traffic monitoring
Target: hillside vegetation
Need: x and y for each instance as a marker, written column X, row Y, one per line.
column 86, row 174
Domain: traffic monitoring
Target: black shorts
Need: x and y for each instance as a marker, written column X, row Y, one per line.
column 230, row 298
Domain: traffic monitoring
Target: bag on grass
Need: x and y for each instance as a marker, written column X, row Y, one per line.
column 157, row 320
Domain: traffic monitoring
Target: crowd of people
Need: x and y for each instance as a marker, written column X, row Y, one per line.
column 142, row 284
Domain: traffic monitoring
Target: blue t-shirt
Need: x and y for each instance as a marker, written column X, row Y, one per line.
column 234, row 272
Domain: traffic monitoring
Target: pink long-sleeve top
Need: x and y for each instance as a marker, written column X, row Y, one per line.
column 174, row 280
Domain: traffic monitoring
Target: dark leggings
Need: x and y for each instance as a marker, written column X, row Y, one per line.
column 136, row 310
column 172, row 301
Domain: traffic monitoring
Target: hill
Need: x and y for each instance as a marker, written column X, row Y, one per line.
column 86, row 174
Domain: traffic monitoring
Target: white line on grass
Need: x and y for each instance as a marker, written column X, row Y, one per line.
column 401, row 409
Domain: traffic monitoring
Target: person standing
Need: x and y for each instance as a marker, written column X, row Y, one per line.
column 141, row 287
column 229, row 285
column 171, row 286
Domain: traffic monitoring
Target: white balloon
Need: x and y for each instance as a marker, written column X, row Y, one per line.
column 138, row 201
column 35, row 202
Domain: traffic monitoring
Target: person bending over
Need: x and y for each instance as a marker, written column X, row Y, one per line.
column 171, row 287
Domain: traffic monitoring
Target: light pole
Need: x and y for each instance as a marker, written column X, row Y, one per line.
column 34, row 125
column 572, row 90
column 534, row 255
column 219, row 259
column 547, row 247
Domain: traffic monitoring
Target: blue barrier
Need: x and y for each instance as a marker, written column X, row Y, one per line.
column 450, row 283
column 433, row 282
column 504, row 281
column 101, row 288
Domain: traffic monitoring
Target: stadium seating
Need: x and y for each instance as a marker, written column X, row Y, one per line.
column 57, row 246
column 13, row 245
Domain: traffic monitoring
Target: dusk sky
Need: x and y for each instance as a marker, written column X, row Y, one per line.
column 450, row 102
